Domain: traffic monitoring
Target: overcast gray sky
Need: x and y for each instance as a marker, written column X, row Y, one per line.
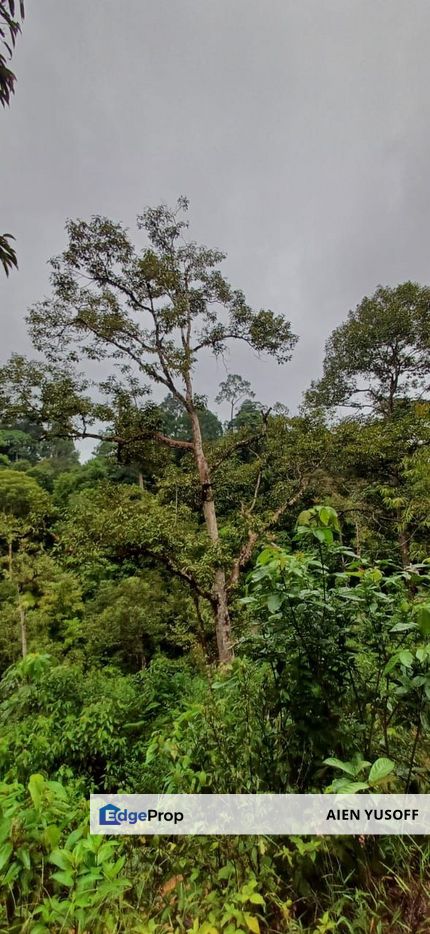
column 300, row 130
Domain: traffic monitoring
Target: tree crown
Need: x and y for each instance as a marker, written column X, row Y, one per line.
column 380, row 354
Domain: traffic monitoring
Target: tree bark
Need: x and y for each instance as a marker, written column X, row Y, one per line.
column 404, row 548
column 219, row 589
column 23, row 629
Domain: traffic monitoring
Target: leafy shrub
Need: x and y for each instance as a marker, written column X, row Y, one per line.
column 50, row 875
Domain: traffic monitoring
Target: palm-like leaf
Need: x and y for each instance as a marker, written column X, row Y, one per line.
column 7, row 253
column 9, row 29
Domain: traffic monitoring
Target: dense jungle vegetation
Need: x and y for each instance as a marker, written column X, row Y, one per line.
column 208, row 606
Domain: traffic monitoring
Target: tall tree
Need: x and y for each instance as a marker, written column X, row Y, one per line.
column 176, row 422
column 380, row 354
column 152, row 312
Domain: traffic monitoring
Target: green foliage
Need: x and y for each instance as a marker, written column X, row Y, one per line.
column 63, row 720
column 21, row 497
column 107, row 646
column 50, row 874
column 380, row 355
column 347, row 645
column 176, row 423
column 332, row 657
column 379, row 771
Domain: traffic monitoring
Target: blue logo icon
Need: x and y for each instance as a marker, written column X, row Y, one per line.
column 108, row 815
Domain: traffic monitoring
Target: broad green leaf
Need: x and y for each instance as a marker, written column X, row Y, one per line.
column 59, row 789
column 423, row 618
column 256, row 899
column 51, row 835
column 5, row 851
column 347, row 767
column 419, row 680
column 265, row 556
column 403, row 627
column 61, row 858
column 343, row 787
column 105, row 852
column 252, row 923
column 65, row 878
column 24, row 855
column 325, row 515
column 116, row 868
column 323, row 535
column 35, row 787
column 274, row 602
column 84, row 900
column 380, row 769
column 11, row 874
column 226, row 871
column 391, row 664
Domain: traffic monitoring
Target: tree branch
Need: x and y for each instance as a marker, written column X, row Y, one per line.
column 116, row 439
column 160, row 353
column 183, row 575
column 253, row 536
column 218, row 339
column 242, row 443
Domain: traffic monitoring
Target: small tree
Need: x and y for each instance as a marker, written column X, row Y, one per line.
column 234, row 390
column 152, row 313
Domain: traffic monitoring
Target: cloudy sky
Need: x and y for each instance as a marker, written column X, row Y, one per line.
column 299, row 129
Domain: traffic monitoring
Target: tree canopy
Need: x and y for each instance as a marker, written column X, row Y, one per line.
column 152, row 312
column 380, row 354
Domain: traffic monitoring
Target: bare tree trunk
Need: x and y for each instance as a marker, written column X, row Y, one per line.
column 404, row 548
column 23, row 629
column 219, row 589
column 223, row 624
column 140, row 478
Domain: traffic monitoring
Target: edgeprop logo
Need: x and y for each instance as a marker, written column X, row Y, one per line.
column 110, row 815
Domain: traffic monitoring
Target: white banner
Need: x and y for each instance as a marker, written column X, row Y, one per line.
column 265, row 814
